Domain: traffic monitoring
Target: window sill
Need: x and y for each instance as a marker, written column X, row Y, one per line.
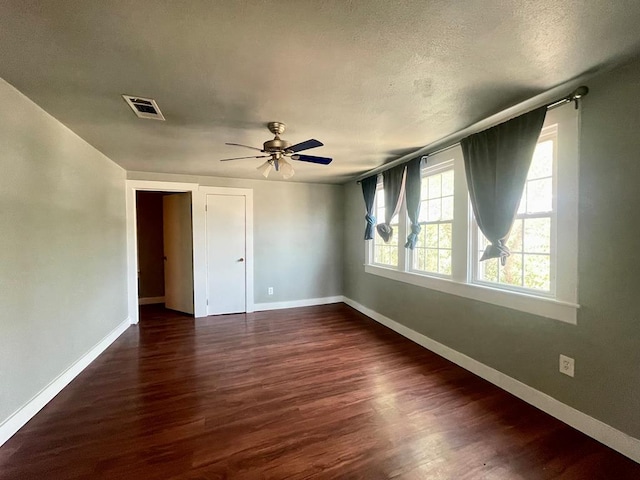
column 541, row 306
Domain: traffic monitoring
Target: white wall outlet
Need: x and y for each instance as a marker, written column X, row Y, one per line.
column 270, row 291
column 567, row 365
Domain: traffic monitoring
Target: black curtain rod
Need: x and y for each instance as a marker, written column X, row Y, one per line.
column 574, row 96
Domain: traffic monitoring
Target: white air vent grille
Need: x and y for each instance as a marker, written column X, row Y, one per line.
column 144, row 107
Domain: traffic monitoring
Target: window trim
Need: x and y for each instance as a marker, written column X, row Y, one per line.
column 563, row 306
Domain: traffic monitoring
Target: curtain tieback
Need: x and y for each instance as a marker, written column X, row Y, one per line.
column 385, row 231
column 371, row 220
column 496, row 250
column 412, row 239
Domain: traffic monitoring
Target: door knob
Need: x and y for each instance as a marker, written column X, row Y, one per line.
column 241, row 260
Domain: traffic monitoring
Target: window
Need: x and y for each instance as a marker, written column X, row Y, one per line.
column 385, row 253
column 540, row 275
column 435, row 241
column 530, row 241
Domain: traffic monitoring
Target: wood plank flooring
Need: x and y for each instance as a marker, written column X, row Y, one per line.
column 319, row 392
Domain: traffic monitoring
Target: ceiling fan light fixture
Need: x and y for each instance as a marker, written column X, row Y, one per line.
column 286, row 169
column 265, row 169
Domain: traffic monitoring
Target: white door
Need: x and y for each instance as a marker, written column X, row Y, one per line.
column 226, row 254
column 178, row 252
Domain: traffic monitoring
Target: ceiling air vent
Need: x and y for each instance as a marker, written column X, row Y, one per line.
column 144, row 107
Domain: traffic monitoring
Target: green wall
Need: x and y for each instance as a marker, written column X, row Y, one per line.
column 606, row 341
column 63, row 284
column 297, row 235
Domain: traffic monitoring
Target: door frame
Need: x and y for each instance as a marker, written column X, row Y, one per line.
column 133, row 186
column 202, row 193
column 198, row 221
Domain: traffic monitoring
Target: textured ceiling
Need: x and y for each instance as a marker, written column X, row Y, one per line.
column 372, row 79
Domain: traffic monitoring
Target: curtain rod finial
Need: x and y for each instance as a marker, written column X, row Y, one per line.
column 580, row 92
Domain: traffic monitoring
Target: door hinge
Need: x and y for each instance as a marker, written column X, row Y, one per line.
column 207, row 301
column 206, row 208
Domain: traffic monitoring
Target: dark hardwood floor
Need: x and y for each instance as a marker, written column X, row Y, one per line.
column 320, row 392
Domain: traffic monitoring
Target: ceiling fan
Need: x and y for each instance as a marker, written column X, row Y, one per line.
column 277, row 151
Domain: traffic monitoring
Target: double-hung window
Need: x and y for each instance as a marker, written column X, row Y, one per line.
column 529, row 267
column 540, row 274
column 435, row 241
column 385, row 253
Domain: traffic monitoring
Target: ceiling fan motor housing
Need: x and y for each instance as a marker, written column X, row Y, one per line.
column 275, row 145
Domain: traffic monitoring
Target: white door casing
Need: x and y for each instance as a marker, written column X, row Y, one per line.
column 226, row 253
column 178, row 252
column 198, row 193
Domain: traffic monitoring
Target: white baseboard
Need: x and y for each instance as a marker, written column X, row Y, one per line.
column 606, row 434
column 18, row 419
column 309, row 302
column 150, row 300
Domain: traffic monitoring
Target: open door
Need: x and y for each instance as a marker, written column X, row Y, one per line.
column 178, row 252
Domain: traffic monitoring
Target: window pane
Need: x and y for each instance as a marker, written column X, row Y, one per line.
column 418, row 258
column 444, row 266
column 431, row 232
column 447, row 208
column 539, row 196
column 511, row 273
column 424, row 212
column 489, row 270
column 393, row 256
column 434, row 186
column 537, row 235
column 447, row 183
column 542, row 162
column 434, row 210
column 431, row 264
column 444, row 234
column 514, row 243
column 424, row 191
column 537, row 272
column 421, row 238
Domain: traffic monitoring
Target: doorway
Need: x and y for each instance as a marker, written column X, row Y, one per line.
column 199, row 226
column 165, row 250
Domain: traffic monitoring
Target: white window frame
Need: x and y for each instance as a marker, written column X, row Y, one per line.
column 402, row 229
column 559, row 305
column 549, row 132
column 436, row 164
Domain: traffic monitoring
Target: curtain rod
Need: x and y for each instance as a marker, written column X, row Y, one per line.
column 452, row 140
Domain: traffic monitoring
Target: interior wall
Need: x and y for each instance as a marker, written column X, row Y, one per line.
column 605, row 341
column 150, row 244
column 63, row 284
column 298, row 235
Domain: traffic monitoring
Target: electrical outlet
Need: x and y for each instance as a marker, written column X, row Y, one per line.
column 567, row 365
column 270, row 291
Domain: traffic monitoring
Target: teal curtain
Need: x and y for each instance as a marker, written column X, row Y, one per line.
column 392, row 183
column 369, row 192
column 413, row 186
column 496, row 163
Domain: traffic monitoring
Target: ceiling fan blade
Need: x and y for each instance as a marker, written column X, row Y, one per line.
column 245, row 146
column 298, row 147
column 242, row 158
column 312, row 159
